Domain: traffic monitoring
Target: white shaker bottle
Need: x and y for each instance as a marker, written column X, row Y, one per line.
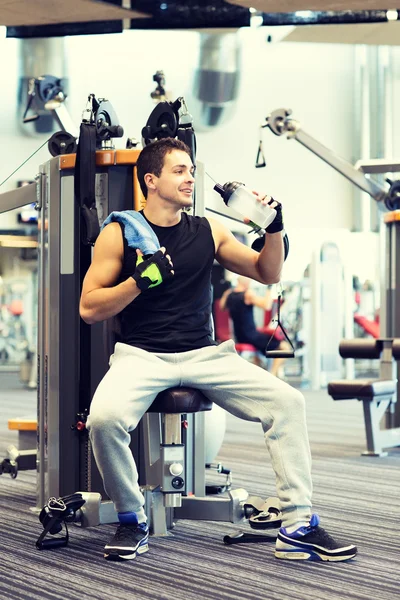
column 237, row 196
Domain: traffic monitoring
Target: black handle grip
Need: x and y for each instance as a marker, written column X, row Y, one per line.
column 31, row 118
column 52, row 543
column 247, row 538
column 278, row 354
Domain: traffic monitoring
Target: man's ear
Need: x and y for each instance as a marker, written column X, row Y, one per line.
column 149, row 180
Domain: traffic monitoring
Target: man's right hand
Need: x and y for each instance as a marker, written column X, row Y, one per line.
column 153, row 270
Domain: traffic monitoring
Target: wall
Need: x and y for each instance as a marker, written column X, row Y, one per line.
column 315, row 81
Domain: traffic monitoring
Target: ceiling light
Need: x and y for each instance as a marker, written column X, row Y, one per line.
column 256, row 20
column 392, row 15
column 304, row 14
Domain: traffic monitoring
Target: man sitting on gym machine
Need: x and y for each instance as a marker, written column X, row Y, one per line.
column 164, row 302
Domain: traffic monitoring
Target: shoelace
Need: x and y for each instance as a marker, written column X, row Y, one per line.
column 323, row 535
column 125, row 532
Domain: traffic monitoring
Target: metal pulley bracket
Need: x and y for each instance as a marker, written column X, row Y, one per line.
column 159, row 93
column 392, row 201
column 106, row 121
column 162, row 123
column 279, row 123
column 42, row 92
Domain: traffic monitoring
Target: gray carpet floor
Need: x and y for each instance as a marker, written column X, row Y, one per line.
column 356, row 497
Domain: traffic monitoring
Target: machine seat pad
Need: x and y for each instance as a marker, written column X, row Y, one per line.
column 360, row 388
column 180, row 400
column 241, row 347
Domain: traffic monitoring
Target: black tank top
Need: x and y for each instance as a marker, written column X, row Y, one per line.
column 176, row 315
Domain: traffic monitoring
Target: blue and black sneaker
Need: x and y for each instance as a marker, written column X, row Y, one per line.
column 311, row 543
column 129, row 540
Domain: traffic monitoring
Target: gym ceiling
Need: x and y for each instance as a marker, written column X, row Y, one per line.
column 345, row 21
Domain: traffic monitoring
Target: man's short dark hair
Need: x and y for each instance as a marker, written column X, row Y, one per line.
column 151, row 158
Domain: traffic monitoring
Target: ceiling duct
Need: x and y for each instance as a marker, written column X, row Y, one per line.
column 37, row 57
column 216, row 79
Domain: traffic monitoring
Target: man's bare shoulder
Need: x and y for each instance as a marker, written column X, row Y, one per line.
column 218, row 230
column 110, row 240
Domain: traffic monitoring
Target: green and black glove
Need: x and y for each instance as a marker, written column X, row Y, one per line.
column 152, row 271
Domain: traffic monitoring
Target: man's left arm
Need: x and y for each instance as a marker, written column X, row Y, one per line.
column 265, row 266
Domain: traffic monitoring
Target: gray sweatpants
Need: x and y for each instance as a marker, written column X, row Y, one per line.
column 135, row 378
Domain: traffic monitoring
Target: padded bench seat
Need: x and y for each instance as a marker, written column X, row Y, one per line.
column 27, row 428
column 360, row 388
column 178, row 400
column 242, row 347
column 376, row 396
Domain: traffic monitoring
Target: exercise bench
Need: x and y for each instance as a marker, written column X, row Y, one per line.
column 377, row 395
column 24, row 457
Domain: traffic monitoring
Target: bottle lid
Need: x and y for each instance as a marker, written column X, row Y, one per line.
column 220, row 189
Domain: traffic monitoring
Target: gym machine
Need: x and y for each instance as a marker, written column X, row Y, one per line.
column 281, row 123
column 378, row 396
column 73, row 356
column 47, row 94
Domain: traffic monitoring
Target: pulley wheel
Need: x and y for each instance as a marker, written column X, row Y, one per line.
column 62, row 142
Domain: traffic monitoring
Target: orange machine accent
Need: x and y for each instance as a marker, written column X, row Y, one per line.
column 139, row 201
column 104, row 158
column 113, row 157
column 22, row 424
column 127, row 157
column 392, row 216
column 67, row 161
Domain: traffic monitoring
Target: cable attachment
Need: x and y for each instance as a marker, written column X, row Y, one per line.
column 31, row 95
column 54, row 514
column 185, row 118
column 89, row 110
column 279, row 353
column 260, row 159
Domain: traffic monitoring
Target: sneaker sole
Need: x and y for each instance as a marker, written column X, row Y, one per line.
column 116, row 556
column 315, row 556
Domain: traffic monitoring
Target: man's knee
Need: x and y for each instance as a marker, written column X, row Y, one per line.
column 105, row 421
column 296, row 400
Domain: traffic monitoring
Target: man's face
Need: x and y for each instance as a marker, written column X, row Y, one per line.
column 176, row 181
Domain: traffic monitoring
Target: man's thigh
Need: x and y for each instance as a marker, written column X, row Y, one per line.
column 129, row 387
column 235, row 384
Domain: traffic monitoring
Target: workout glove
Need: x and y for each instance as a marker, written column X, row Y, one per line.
column 152, row 271
column 277, row 223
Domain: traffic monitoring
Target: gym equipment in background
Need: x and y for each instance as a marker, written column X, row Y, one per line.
column 388, row 197
column 171, row 119
column 47, row 93
column 279, row 353
column 378, row 396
